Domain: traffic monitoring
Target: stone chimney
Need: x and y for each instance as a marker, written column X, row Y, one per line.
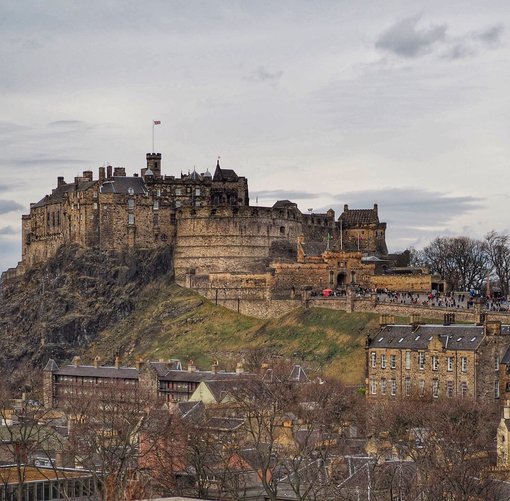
column 102, row 174
column 346, row 207
column 376, row 209
column 119, row 172
column 96, row 361
column 191, row 366
column 88, row 175
column 386, row 319
column 239, row 368
column 448, row 318
column 479, row 315
column 215, row 367
column 60, row 181
column 109, row 171
column 117, row 362
column 415, row 320
column 76, row 361
column 492, row 328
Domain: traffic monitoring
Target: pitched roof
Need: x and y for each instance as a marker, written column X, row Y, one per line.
column 453, row 337
column 298, row 375
column 58, row 194
column 356, row 217
column 101, row 372
column 284, row 204
column 51, row 366
column 121, row 184
column 225, row 174
column 313, row 248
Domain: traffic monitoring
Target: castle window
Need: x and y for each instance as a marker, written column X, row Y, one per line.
column 131, row 219
column 496, row 363
column 172, row 219
column 463, row 364
column 197, row 192
column 131, row 204
column 449, row 364
column 393, row 387
column 178, row 191
column 421, row 386
column 177, row 203
column 282, row 230
column 95, row 205
column 383, row 361
column 496, row 388
column 383, row 386
column 408, row 360
column 155, row 219
column 94, row 194
column 421, row 360
column 373, row 387
column 393, row 361
column 435, row 388
column 131, row 191
column 373, row 359
column 407, row 386
column 463, row 389
column 156, row 205
column 449, row 389
column 158, row 192
column 435, row 363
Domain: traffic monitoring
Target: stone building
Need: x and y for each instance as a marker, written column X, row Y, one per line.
column 167, row 381
column 436, row 361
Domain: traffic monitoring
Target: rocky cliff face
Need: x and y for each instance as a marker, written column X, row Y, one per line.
column 56, row 309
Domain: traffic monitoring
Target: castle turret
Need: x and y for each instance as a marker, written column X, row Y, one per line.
column 153, row 164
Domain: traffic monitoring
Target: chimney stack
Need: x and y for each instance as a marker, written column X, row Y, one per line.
column 96, row 361
column 191, row 366
column 139, row 363
column 76, row 361
column 119, row 172
column 215, row 367
column 239, row 368
column 88, row 175
column 117, row 362
column 60, row 181
column 102, row 174
column 109, row 171
column 448, row 318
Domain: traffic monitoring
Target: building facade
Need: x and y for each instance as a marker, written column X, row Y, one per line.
column 436, row 361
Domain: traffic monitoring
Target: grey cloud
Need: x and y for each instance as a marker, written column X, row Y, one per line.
column 406, row 40
column 262, row 74
column 9, row 206
column 8, row 230
column 66, row 123
column 459, row 51
column 491, row 35
column 43, row 160
column 286, row 195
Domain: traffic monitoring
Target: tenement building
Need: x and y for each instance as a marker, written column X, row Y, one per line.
column 418, row 361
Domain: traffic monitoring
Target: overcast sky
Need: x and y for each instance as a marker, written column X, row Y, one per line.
column 402, row 103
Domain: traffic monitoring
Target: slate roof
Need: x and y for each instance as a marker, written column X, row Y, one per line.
column 225, row 174
column 506, row 357
column 284, row 204
column 121, row 184
column 199, row 376
column 220, row 388
column 101, row 372
column 313, row 248
column 453, row 337
column 355, row 217
column 224, row 423
column 57, row 194
column 163, row 368
column 298, row 374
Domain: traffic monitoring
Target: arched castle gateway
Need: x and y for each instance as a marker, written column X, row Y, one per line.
column 224, row 248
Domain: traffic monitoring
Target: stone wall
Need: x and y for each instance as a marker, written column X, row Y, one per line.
column 415, row 283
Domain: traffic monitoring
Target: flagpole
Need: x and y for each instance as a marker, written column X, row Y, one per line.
column 153, row 136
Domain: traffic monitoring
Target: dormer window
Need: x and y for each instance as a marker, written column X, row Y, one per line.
column 131, row 191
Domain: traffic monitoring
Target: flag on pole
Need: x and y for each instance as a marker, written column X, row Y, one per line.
column 157, row 122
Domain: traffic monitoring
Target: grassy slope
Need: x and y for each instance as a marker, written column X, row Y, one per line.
column 171, row 322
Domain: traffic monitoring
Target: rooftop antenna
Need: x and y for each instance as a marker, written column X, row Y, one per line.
column 154, row 122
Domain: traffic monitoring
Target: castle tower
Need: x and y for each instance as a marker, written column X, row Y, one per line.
column 154, row 164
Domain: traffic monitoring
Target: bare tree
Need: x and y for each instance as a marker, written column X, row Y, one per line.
column 461, row 261
column 498, row 250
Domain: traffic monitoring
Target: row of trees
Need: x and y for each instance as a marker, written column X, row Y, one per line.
column 466, row 263
column 292, row 441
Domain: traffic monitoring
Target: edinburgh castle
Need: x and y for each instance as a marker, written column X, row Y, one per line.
column 228, row 250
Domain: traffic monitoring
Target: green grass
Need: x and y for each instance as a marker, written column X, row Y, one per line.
column 172, row 322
